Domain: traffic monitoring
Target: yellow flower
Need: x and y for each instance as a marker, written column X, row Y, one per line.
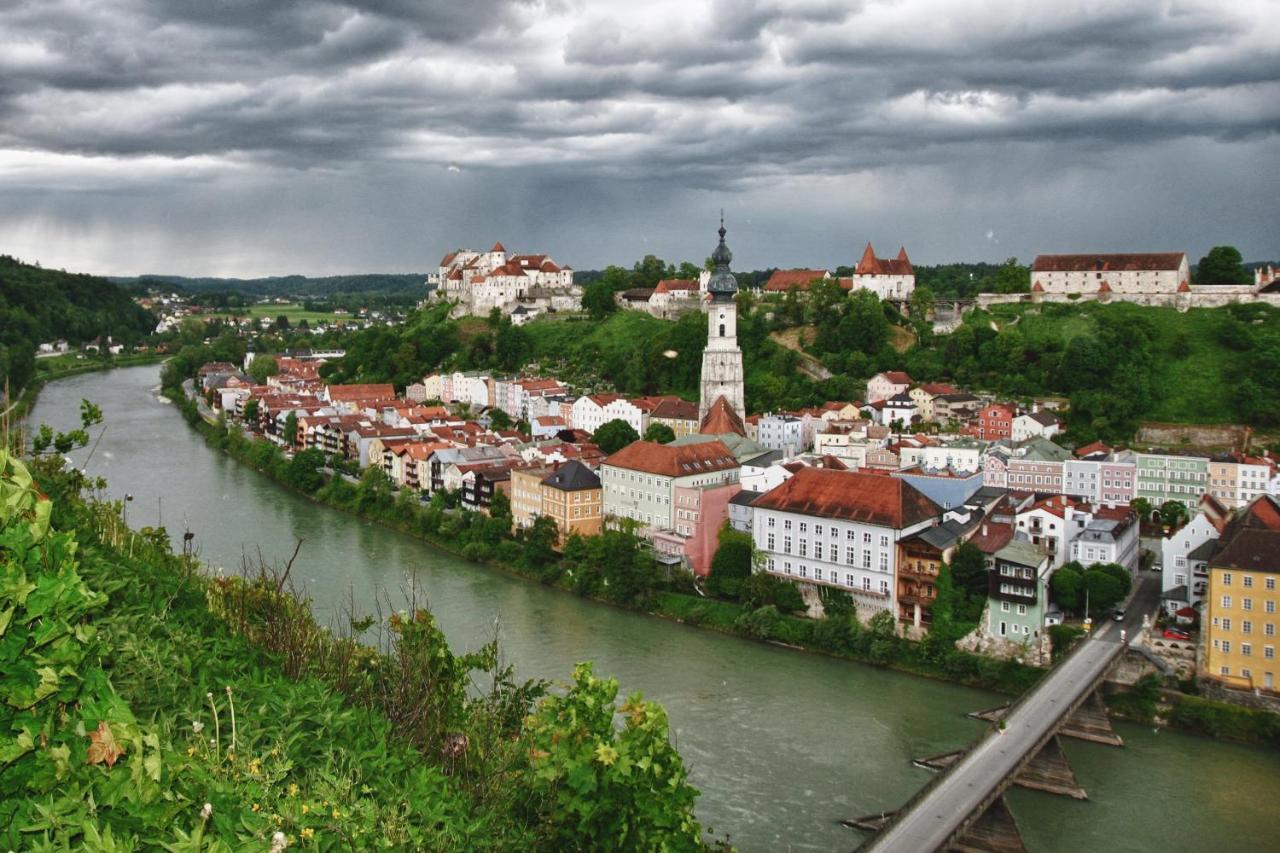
column 293, row 790
column 308, row 833
column 254, row 766
column 606, row 754
column 336, row 814
column 305, row 808
column 191, row 750
column 256, row 807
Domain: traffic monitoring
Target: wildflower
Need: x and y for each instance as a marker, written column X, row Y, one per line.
column 191, row 750
column 255, row 766
column 207, row 811
column 308, row 833
column 336, row 814
column 293, row 789
column 305, row 808
column 255, row 807
column 278, row 842
column 197, row 727
column 606, row 754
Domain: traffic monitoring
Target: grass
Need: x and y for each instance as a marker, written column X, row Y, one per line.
column 292, row 310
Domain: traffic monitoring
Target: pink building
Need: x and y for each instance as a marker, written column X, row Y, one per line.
column 698, row 515
column 1118, row 483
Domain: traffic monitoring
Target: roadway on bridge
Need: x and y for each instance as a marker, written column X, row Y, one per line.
column 968, row 785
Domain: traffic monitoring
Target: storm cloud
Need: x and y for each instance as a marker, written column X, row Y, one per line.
column 238, row 137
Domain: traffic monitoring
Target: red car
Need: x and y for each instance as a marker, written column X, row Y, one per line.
column 1175, row 634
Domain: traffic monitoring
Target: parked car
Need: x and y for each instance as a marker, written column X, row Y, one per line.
column 1175, row 634
column 1118, row 614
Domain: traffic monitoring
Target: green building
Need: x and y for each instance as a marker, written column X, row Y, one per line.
column 1172, row 477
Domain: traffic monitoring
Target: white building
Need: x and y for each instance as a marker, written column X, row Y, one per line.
column 790, row 433
column 722, row 371
column 1184, row 557
column 480, row 281
column 893, row 279
column 1108, row 537
column 882, row 386
column 1120, row 274
column 1035, row 425
column 840, row 529
column 1052, row 525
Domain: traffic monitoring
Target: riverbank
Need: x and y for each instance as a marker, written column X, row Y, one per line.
column 22, row 405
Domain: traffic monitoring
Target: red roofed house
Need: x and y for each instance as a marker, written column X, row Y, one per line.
column 995, row 422
column 882, row 386
column 783, row 280
column 1122, row 274
column 479, row 281
column 840, row 529
column 893, row 279
column 672, row 296
column 641, row 480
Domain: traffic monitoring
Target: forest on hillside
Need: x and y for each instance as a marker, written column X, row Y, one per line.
column 38, row 305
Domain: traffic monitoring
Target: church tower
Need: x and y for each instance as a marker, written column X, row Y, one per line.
column 722, row 374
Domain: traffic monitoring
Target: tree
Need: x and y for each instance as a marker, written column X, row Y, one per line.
column 1142, row 507
column 262, row 367
column 764, row 590
column 251, row 413
column 614, row 435
column 282, row 321
column 660, row 433
column 1012, row 278
column 303, row 472
column 1068, row 588
column 1104, row 591
column 922, row 301
column 499, row 419
column 649, row 271
column 732, row 563
column 969, row 570
column 597, row 299
column 1173, row 514
column 1222, row 266
column 291, row 429
column 540, row 541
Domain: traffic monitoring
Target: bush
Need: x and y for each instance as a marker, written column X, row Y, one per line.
column 760, row 623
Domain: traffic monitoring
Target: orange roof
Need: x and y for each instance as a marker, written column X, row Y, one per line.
column 669, row 285
column 851, row 496
column 362, row 392
column 897, row 377
column 1107, row 263
column 871, row 265
column 721, row 419
column 784, row 280
column 498, row 247
column 671, row 460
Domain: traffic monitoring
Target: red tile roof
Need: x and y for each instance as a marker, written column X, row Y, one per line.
column 362, row 392
column 897, row 377
column 721, row 419
column 851, row 496
column 670, row 285
column 674, row 408
column 991, row 537
column 671, row 460
column 784, row 280
column 1090, row 449
column 871, row 265
column 1106, row 263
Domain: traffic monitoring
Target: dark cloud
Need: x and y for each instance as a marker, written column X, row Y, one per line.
column 579, row 101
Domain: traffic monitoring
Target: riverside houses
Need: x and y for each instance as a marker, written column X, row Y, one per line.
column 840, row 529
column 641, row 479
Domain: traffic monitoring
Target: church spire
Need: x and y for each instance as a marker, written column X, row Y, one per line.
column 722, row 284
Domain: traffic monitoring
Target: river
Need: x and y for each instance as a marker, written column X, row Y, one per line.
column 782, row 744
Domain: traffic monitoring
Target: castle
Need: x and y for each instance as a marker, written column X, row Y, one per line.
column 481, row 281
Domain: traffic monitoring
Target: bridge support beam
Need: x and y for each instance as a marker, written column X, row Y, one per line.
column 1048, row 771
column 1090, row 721
column 994, row 832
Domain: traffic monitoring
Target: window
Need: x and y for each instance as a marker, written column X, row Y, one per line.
column 1269, row 652
column 817, row 530
column 1022, row 610
column 804, row 547
column 1271, row 583
column 884, row 587
column 817, row 550
column 1179, row 580
column 817, row 574
column 1246, row 627
column 786, row 524
column 1269, row 630
column 1226, row 645
column 1247, row 603
column 804, row 527
column 772, row 520
column 866, row 559
column 1270, row 607
column 1226, row 624
column 1246, row 649
column 804, row 572
column 884, row 541
column 1226, row 578
column 786, row 567
column 866, row 538
column 848, row 580
column 1247, row 580
column 1004, row 607
column 786, row 544
column 1226, row 670
column 850, row 555
column 1226, row 602
column 769, row 545
column 851, row 534
column 884, row 561
column 866, row 584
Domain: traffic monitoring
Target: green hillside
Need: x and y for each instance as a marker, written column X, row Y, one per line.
column 38, row 305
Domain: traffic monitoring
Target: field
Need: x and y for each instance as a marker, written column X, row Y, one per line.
column 295, row 312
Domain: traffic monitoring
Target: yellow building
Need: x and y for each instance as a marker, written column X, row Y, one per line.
column 1242, row 608
column 573, row 497
column 526, row 495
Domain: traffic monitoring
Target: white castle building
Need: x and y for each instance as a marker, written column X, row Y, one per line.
column 893, row 279
column 481, row 281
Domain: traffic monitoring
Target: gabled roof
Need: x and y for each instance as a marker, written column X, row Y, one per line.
column 1095, row 448
column 851, row 496
column 784, row 280
column 573, row 476
column 674, row 408
column 670, row 285
column 897, row 377
column 498, row 247
column 1149, row 261
column 1250, row 549
column 721, row 419
column 1043, row 418
column 673, row 460
column 871, row 265
column 362, row 392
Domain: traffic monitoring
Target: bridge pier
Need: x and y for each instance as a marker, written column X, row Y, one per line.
column 1048, row 771
column 995, row 831
column 1089, row 722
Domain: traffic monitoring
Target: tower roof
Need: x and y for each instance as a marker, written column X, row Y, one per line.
column 722, row 284
column 721, row 419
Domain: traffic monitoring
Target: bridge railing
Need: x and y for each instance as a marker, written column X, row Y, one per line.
column 987, row 734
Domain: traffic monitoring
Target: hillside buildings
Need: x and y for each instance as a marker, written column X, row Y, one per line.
column 892, row 279
column 481, row 281
column 1115, row 274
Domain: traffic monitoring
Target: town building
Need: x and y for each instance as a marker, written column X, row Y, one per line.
column 480, row 281
column 995, row 422
column 1110, row 536
column 1172, row 476
column 640, row 480
column 1018, row 592
column 1096, row 276
column 882, row 386
column 526, row 494
column 722, row 372
column 840, row 529
column 572, row 497
column 680, row 415
column 1051, row 525
column 781, row 281
column 1185, row 553
column 892, row 279
column 1040, row 424
column 1240, row 613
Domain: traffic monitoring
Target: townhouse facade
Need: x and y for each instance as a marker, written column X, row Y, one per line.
column 639, row 481
column 1171, row 477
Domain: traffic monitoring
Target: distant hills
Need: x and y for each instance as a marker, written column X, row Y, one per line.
column 286, row 285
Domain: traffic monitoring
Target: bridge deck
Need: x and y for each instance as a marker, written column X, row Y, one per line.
column 933, row 819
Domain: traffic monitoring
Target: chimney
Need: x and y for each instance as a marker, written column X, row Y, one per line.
column 984, row 528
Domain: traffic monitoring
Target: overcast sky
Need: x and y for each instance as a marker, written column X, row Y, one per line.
column 229, row 137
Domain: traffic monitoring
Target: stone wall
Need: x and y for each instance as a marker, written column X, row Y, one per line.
column 1194, row 435
column 1200, row 296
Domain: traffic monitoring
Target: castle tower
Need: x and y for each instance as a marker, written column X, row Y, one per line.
column 722, row 374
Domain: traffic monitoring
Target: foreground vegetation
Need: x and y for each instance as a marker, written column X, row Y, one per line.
column 145, row 705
